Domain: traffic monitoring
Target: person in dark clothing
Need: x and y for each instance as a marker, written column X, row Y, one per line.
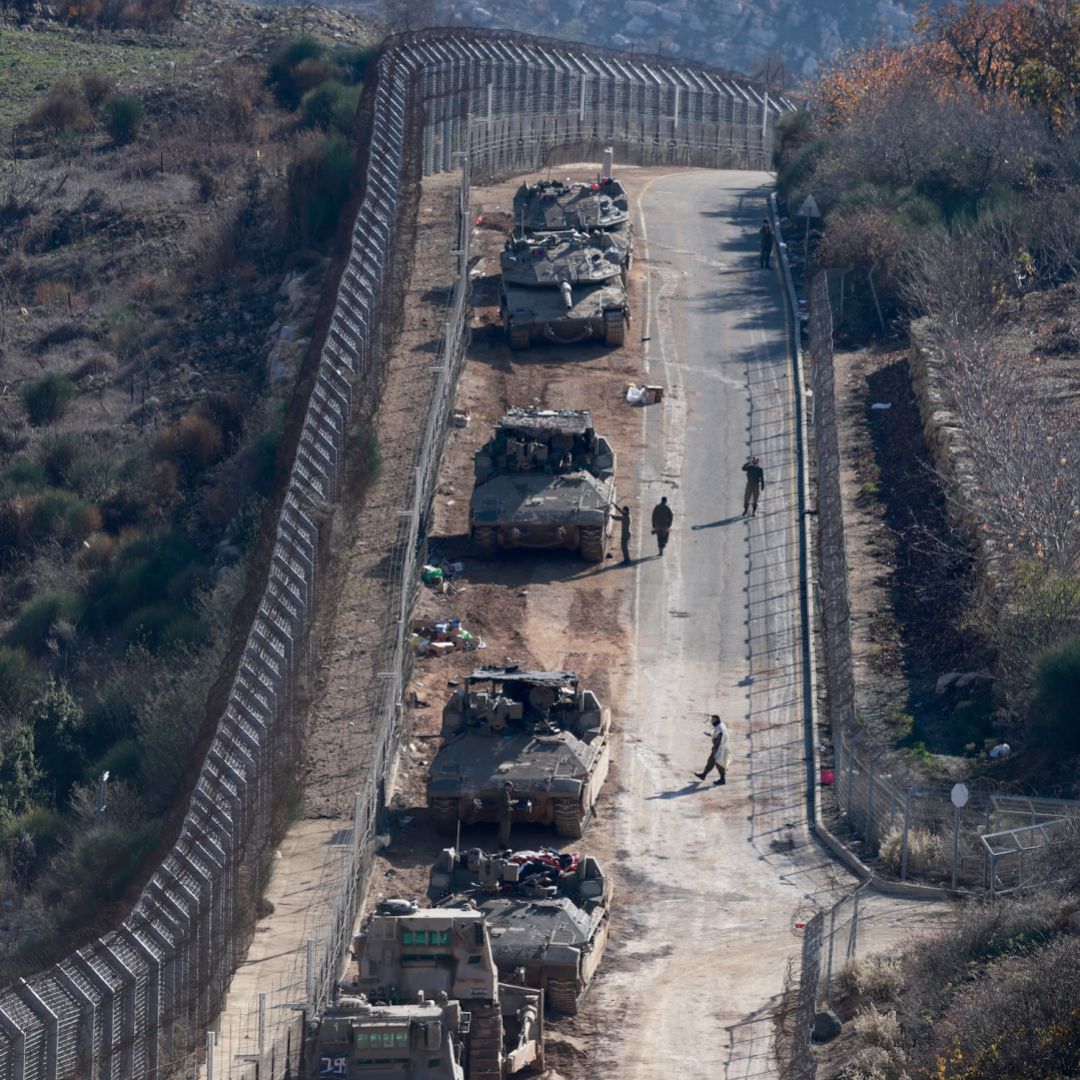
column 624, row 522
column 505, row 813
column 755, row 484
column 766, row 234
column 662, row 518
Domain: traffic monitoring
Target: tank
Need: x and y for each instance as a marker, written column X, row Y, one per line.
column 545, row 479
column 440, row 960
column 546, row 911
column 565, row 287
column 538, row 729
column 547, row 205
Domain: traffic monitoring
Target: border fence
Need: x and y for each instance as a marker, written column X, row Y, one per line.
column 137, row 1003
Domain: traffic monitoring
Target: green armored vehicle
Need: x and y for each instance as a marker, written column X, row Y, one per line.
column 425, row 1001
column 545, row 479
column 538, row 729
column 547, row 913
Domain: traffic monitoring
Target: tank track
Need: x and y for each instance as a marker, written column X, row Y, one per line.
column 614, row 328
column 592, row 544
column 444, row 814
column 485, row 1043
column 520, row 337
column 569, row 820
column 561, row 996
column 485, row 541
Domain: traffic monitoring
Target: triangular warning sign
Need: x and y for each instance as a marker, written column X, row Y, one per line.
column 808, row 208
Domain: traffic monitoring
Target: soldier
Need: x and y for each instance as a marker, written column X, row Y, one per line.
column 755, row 484
column 624, row 521
column 505, row 813
column 662, row 517
column 766, row 234
column 720, row 754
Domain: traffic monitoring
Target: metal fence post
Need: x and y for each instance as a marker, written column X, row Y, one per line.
column 904, row 839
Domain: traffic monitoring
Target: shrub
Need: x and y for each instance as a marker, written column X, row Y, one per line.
column 18, row 681
column 37, row 617
column 64, row 517
column 46, row 399
column 14, row 530
column 58, row 723
column 30, row 838
column 353, row 62
column 330, row 107
column 25, row 475
column 873, row 981
column 19, row 773
column 925, row 855
column 97, row 87
column 191, row 445
column 319, row 182
column 298, row 67
column 58, row 456
column 164, row 628
column 226, row 413
column 123, row 331
column 63, row 110
column 1055, row 708
column 121, row 116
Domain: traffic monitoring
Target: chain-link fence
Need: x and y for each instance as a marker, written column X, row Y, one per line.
column 138, row 1002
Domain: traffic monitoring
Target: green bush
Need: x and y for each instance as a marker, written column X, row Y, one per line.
column 319, row 183
column 18, row 681
column 162, row 628
column 353, row 62
column 46, row 399
column 121, row 117
column 299, row 67
column 37, row 617
column 330, row 107
column 59, row 728
column 19, row 774
column 62, row 516
column 64, row 109
column 25, row 475
column 30, row 838
column 1055, row 707
column 97, row 87
column 58, row 456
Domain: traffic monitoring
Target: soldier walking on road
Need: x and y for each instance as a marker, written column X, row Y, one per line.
column 624, row 522
column 766, row 234
column 755, row 484
column 662, row 518
column 720, row 754
column 505, row 813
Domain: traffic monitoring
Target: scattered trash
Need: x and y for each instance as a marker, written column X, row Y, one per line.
column 405, row 821
column 432, row 575
column 461, row 418
column 439, row 638
column 457, row 568
column 1000, row 751
column 881, row 405
column 644, row 395
column 828, row 777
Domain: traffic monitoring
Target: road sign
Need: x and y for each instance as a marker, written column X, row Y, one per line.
column 808, row 209
column 959, row 795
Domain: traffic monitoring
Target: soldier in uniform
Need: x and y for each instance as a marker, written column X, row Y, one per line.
column 505, row 813
column 755, row 484
column 624, row 522
column 662, row 518
column 720, row 754
column 766, row 234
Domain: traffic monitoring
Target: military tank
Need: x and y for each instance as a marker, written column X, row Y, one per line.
column 549, row 205
column 538, row 729
column 544, row 479
column 552, row 259
column 546, row 911
column 427, row 977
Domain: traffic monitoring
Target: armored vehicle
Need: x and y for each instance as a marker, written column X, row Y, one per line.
column 551, row 260
column 538, row 729
column 548, row 205
column 356, row 1040
column 440, row 959
column 547, row 914
column 545, row 479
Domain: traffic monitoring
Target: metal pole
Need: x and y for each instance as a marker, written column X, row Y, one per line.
column 310, row 982
column 955, row 842
column 211, row 1042
column 904, row 839
column 262, row 1025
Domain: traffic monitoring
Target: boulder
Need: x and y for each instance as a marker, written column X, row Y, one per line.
column 826, row 1026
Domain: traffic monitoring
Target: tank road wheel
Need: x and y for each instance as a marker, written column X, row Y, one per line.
column 614, row 328
column 561, row 996
column 520, row 336
column 485, row 1043
column 444, row 813
column 592, row 544
column 485, row 541
column 570, row 820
